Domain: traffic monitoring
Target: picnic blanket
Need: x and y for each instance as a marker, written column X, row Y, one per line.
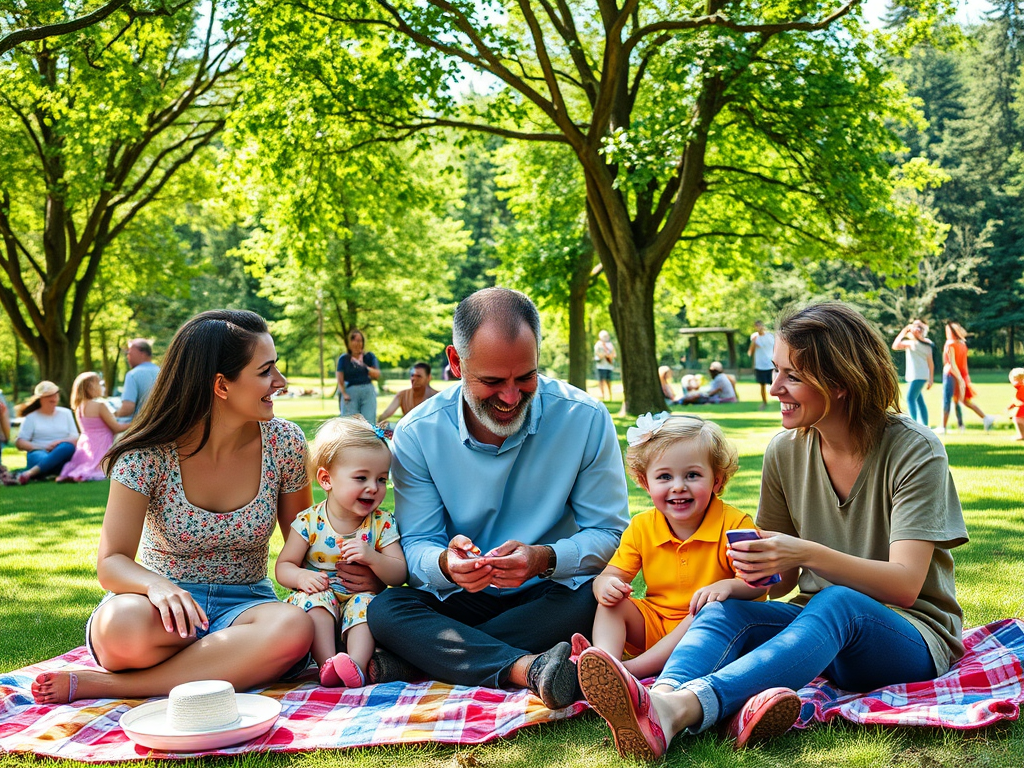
column 984, row 687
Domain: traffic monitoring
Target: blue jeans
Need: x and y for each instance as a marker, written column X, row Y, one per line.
column 362, row 399
column 739, row 648
column 915, row 401
column 948, row 387
column 50, row 462
column 474, row 638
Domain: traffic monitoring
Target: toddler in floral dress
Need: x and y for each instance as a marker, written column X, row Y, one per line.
column 350, row 459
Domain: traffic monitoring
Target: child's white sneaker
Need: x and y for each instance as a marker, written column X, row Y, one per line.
column 988, row 421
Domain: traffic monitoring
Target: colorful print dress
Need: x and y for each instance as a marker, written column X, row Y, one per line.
column 324, row 553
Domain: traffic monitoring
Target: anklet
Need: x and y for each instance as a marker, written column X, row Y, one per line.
column 72, row 686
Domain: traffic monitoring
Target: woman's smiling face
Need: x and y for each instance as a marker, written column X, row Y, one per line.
column 802, row 404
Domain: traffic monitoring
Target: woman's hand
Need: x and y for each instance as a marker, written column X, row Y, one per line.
column 756, row 559
column 179, row 612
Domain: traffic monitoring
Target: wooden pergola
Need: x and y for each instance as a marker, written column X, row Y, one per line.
column 693, row 352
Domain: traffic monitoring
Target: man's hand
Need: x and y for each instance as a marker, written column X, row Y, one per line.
column 358, row 578
column 611, row 590
column 462, row 565
column 514, row 563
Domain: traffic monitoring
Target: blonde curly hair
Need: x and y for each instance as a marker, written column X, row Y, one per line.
column 722, row 455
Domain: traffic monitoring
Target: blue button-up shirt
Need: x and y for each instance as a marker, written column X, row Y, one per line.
column 558, row 481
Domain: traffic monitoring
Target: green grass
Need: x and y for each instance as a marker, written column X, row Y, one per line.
column 49, row 534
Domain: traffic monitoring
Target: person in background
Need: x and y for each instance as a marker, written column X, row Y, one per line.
column 98, row 426
column 604, row 357
column 357, row 371
column 920, row 366
column 407, row 399
column 1017, row 406
column 665, row 376
column 761, row 345
column 6, row 477
column 719, row 390
column 956, row 379
column 139, row 380
column 48, row 433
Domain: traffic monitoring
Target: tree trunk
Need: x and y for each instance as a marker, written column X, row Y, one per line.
column 632, row 311
column 579, row 348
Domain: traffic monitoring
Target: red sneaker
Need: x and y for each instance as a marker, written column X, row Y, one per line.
column 768, row 714
column 579, row 644
column 624, row 703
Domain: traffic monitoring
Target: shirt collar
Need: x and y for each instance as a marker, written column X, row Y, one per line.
column 530, row 426
column 710, row 528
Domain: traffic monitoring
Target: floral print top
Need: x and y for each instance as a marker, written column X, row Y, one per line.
column 324, row 551
column 189, row 544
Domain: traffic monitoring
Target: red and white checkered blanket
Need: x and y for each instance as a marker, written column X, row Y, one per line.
column 984, row 687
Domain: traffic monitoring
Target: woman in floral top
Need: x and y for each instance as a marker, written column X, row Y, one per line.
column 199, row 483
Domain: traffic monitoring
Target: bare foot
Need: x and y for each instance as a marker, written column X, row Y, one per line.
column 55, row 687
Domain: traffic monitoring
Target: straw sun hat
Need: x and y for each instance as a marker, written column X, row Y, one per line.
column 202, row 715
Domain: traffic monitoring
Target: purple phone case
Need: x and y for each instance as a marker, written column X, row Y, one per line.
column 745, row 534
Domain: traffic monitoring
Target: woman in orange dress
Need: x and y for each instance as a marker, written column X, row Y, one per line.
column 956, row 381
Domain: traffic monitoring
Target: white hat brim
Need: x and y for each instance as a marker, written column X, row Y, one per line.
column 147, row 725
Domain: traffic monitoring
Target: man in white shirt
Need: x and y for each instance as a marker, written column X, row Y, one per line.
column 762, row 345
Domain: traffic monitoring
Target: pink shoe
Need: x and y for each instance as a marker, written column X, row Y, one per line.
column 579, row 645
column 624, row 703
column 341, row 671
column 768, row 714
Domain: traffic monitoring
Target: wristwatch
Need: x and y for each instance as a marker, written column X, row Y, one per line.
column 548, row 572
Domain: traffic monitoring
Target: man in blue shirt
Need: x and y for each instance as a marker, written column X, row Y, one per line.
column 510, row 496
column 139, row 379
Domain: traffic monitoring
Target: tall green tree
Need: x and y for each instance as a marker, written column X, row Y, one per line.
column 94, row 127
column 780, row 113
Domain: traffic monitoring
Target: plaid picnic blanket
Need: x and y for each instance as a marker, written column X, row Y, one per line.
column 984, row 687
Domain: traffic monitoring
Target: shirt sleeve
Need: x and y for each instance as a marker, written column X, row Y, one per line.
column 925, row 504
column 131, row 388
column 600, row 505
column 370, row 360
column 141, row 471
column 290, row 457
column 341, row 363
column 418, row 508
column 27, row 430
column 627, row 557
column 387, row 529
column 772, row 508
column 303, row 522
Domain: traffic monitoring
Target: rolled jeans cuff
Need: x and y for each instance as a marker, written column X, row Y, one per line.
column 708, row 699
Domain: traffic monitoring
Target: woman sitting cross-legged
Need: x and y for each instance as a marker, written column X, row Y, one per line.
column 47, row 434
column 859, row 511
column 198, row 485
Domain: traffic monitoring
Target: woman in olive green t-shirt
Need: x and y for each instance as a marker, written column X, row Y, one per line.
column 859, row 511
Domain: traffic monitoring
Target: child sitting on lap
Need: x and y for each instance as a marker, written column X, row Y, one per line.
column 683, row 462
column 351, row 461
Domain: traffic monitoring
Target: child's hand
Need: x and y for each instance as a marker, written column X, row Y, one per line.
column 312, row 582
column 712, row 593
column 356, row 551
column 611, row 591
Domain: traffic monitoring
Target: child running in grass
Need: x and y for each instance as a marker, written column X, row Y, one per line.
column 683, row 462
column 350, row 460
column 1016, row 408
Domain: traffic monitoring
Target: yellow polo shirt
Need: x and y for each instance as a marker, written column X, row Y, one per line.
column 675, row 569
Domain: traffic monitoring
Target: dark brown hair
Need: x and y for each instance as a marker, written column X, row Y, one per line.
column 218, row 341
column 833, row 347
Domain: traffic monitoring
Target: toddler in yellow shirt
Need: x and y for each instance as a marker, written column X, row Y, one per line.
column 683, row 462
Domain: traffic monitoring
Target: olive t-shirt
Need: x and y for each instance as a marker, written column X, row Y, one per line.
column 904, row 492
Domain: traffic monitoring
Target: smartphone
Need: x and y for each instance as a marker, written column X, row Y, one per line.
column 746, row 534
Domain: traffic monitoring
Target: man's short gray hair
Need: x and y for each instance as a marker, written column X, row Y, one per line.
column 142, row 345
column 509, row 309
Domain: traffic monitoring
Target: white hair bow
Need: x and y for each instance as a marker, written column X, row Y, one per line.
column 647, row 426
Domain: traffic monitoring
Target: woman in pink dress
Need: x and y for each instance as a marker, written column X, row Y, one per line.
column 98, row 426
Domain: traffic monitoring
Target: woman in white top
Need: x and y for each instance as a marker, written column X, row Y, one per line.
column 48, row 433
column 920, row 367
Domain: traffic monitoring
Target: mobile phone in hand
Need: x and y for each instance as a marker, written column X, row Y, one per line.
column 746, row 534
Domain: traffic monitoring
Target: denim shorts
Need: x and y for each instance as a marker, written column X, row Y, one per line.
column 223, row 604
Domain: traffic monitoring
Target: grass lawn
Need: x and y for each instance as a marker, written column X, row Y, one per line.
column 49, row 534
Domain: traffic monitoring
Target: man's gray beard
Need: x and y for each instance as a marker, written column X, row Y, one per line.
column 479, row 410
